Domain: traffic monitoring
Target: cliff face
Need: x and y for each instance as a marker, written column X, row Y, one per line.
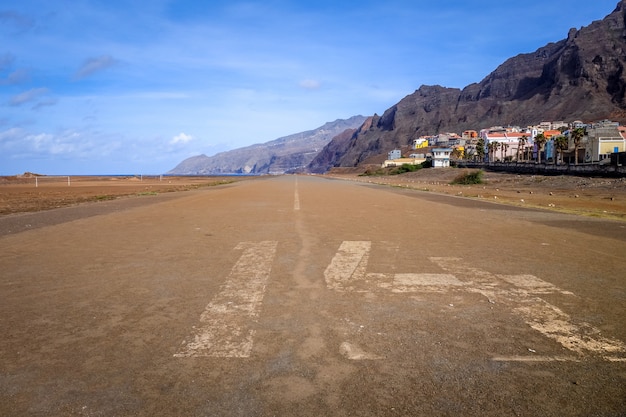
column 287, row 154
column 579, row 78
column 323, row 160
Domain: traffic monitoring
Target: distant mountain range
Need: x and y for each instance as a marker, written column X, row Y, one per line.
column 579, row 78
column 287, row 154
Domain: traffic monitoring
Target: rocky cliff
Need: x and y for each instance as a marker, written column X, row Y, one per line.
column 287, row 154
column 579, row 78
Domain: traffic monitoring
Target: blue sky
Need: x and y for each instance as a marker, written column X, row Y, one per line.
column 135, row 87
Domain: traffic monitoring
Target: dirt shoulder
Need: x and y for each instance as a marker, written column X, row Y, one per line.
column 23, row 194
column 590, row 196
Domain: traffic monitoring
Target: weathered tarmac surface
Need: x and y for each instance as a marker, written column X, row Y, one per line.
column 306, row 296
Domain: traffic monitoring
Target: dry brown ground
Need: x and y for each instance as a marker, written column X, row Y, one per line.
column 514, row 313
column 591, row 196
column 597, row 197
column 20, row 194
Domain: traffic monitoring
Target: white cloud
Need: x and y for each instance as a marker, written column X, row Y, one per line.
column 181, row 138
column 310, row 84
column 93, row 65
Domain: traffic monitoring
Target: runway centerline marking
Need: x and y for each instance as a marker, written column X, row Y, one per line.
column 296, row 197
column 225, row 329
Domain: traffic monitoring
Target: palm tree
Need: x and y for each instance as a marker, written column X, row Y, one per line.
column 480, row 149
column 493, row 148
column 560, row 144
column 577, row 136
column 520, row 147
column 503, row 148
column 540, row 140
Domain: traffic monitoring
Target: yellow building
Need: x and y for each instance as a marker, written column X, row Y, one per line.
column 420, row 143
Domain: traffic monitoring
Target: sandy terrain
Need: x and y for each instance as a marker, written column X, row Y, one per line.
column 20, row 194
column 302, row 296
column 597, row 197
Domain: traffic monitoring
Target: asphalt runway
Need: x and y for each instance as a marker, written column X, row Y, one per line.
column 299, row 295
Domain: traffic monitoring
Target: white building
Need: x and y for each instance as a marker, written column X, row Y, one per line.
column 441, row 157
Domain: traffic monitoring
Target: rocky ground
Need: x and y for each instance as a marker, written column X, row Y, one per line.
column 592, row 196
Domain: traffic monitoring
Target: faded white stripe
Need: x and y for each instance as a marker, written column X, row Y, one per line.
column 536, row 312
column 344, row 266
column 225, row 329
column 296, row 197
column 535, row 359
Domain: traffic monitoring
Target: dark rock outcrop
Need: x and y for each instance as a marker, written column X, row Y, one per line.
column 579, row 78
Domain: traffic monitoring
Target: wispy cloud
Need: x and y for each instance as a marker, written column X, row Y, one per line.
column 94, row 65
column 28, row 96
column 17, row 20
column 22, row 143
column 6, row 61
column 310, row 84
column 45, row 103
column 16, row 77
column 181, row 138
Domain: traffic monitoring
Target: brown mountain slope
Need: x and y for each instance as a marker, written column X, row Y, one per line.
column 579, row 78
column 287, row 154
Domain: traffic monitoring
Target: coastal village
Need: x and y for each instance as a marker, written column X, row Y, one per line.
column 557, row 142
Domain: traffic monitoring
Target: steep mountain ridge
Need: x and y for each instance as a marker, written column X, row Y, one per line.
column 578, row 78
column 286, row 154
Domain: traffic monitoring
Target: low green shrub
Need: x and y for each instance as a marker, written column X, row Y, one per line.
column 468, row 178
column 405, row 168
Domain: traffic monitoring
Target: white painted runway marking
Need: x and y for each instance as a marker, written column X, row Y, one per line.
column 423, row 282
column 347, row 272
column 296, row 197
column 349, row 268
column 535, row 359
column 344, row 267
column 225, row 323
column 540, row 315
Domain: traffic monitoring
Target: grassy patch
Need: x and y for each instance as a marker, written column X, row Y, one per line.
column 469, row 178
column 402, row 169
column 104, row 197
column 405, row 168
